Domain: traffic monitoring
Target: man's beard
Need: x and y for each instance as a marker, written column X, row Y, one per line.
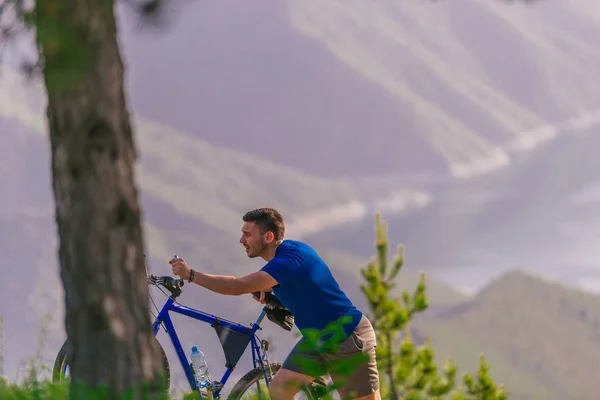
column 257, row 251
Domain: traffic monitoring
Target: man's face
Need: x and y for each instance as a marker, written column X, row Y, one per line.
column 253, row 240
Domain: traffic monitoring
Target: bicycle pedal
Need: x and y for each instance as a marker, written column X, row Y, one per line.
column 214, row 386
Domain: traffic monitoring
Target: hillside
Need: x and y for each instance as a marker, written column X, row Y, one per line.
column 383, row 94
column 393, row 94
column 540, row 337
column 392, row 88
column 541, row 214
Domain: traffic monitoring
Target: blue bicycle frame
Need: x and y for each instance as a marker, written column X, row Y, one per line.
column 234, row 338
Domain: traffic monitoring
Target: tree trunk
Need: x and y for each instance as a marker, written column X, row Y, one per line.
column 389, row 342
column 99, row 219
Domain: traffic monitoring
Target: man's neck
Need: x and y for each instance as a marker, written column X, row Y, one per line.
column 270, row 252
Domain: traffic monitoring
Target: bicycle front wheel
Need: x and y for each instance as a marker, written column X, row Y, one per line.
column 243, row 388
column 60, row 371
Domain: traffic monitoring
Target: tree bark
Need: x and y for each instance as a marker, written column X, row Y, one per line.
column 97, row 212
column 389, row 342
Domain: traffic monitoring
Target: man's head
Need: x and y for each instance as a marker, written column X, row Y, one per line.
column 262, row 231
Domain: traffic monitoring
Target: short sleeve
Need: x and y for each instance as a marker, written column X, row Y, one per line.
column 280, row 270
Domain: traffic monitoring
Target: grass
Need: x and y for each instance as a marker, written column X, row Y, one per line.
column 33, row 391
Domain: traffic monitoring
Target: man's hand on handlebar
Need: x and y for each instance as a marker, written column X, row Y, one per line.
column 180, row 267
column 268, row 298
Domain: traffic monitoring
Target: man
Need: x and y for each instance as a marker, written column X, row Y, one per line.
column 304, row 284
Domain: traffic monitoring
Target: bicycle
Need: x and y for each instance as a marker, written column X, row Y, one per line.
column 234, row 338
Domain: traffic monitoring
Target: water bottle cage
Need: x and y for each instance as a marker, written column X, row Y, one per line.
column 213, row 386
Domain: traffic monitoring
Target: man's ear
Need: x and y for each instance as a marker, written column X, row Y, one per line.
column 269, row 237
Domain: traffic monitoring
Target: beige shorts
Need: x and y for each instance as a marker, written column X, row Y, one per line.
column 364, row 379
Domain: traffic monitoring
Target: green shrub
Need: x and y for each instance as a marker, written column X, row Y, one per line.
column 406, row 371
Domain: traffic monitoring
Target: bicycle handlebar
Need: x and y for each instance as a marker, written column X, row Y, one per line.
column 165, row 281
column 276, row 311
column 173, row 285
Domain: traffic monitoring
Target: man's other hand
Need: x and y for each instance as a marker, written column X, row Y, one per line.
column 260, row 299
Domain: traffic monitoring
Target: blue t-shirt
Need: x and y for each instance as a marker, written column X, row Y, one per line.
column 308, row 289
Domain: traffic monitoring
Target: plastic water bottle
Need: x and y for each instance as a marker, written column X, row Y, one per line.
column 200, row 368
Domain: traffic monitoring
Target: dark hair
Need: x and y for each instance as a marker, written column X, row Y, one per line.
column 267, row 219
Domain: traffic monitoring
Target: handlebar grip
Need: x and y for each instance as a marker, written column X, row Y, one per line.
column 176, row 256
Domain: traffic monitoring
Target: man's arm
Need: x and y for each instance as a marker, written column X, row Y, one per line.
column 233, row 286
column 225, row 284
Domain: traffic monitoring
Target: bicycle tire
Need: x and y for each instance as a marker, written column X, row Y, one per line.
column 61, row 362
column 257, row 374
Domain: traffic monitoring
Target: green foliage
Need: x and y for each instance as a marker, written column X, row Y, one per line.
column 328, row 341
column 483, row 387
column 407, row 371
column 32, row 390
column 34, row 387
column 63, row 42
column 1, row 347
column 146, row 392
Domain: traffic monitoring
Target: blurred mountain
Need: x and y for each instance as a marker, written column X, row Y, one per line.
column 539, row 337
column 487, row 112
column 541, row 214
column 352, row 88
